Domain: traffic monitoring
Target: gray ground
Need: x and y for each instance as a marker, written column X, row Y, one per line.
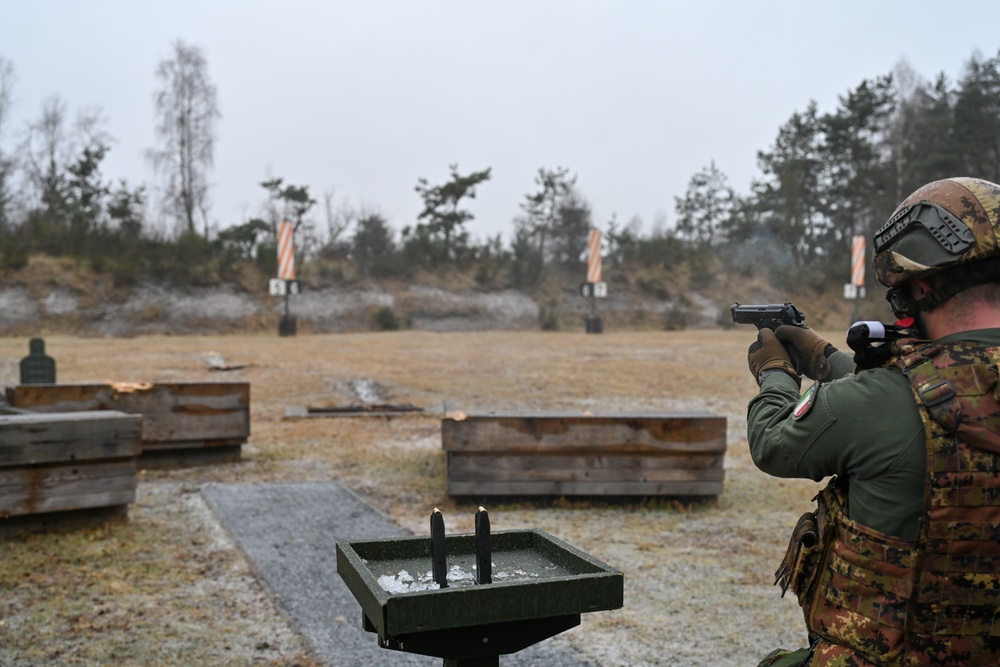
column 288, row 531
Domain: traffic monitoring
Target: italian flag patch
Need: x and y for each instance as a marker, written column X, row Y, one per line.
column 805, row 403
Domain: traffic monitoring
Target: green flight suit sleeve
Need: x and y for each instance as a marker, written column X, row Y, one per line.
column 864, row 427
column 841, row 364
column 854, row 426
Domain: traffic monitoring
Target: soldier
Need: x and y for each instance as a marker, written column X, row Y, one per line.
column 900, row 562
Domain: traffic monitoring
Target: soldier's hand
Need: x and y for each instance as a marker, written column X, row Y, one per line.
column 814, row 352
column 767, row 353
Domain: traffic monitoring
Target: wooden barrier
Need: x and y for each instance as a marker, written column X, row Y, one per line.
column 572, row 454
column 63, row 462
column 183, row 423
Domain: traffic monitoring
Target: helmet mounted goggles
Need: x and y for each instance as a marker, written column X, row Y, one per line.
column 951, row 234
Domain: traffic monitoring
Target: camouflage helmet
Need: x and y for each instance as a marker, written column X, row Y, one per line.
column 944, row 224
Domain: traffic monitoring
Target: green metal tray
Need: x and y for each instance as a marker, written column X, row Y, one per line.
column 535, row 576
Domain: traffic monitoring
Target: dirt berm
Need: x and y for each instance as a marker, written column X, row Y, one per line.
column 50, row 307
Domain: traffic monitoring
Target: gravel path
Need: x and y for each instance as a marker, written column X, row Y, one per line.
column 288, row 530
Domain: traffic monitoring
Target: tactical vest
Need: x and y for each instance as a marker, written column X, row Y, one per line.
column 871, row 598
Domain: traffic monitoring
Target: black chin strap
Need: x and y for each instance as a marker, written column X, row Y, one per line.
column 952, row 281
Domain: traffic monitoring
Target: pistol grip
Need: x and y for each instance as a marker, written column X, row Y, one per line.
column 793, row 356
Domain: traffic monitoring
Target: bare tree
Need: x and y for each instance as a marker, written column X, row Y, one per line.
column 542, row 209
column 187, row 109
column 51, row 146
column 7, row 162
column 47, row 151
column 337, row 221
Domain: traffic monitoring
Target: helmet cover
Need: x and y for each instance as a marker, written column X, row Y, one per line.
column 943, row 224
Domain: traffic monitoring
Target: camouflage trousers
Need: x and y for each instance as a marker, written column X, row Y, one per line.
column 823, row 654
column 780, row 657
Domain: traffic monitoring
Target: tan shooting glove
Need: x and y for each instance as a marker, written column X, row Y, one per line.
column 813, row 352
column 767, row 353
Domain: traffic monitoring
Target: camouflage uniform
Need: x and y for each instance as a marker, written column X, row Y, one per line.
column 894, row 593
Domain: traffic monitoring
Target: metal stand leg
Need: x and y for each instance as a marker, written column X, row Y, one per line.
column 492, row 661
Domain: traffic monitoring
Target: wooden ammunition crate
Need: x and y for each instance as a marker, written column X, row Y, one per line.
column 183, row 423
column 62, row 462
column 573, row 454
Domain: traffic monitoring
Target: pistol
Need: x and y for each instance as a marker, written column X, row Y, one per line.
column 771, row 316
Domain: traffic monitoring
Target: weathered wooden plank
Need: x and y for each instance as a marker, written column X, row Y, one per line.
column 641, row 454
column 83, row 498
column 629, row 463
column 387, row 412
column 79, row 436
column 190, row 444
column 185, row 457
column 54, row 475
column 55, row 488
column 501, row 469
column 560, row 488
column 196, row 411
column 591, row 476
column 576, row 433
column 193, row 423
column 96, row 396
column 30, row 497
column 86, row 501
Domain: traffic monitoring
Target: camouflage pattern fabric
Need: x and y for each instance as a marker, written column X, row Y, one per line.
column 784, row 658
column 881, row 600
column 973, row 202
column 832, row 655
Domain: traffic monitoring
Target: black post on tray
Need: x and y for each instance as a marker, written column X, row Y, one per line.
column 439, row 550
column 484, row 560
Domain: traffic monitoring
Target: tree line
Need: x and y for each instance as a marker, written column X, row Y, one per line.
column 830, row 176
column 826, row 177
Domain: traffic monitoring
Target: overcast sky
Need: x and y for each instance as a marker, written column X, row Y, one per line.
column 363, row 98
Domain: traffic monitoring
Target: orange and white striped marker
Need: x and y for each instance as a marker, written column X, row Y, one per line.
column 286, row 253
column 594, row 256
column 858, row 261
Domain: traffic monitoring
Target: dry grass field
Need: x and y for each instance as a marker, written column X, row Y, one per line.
column 168, row 587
